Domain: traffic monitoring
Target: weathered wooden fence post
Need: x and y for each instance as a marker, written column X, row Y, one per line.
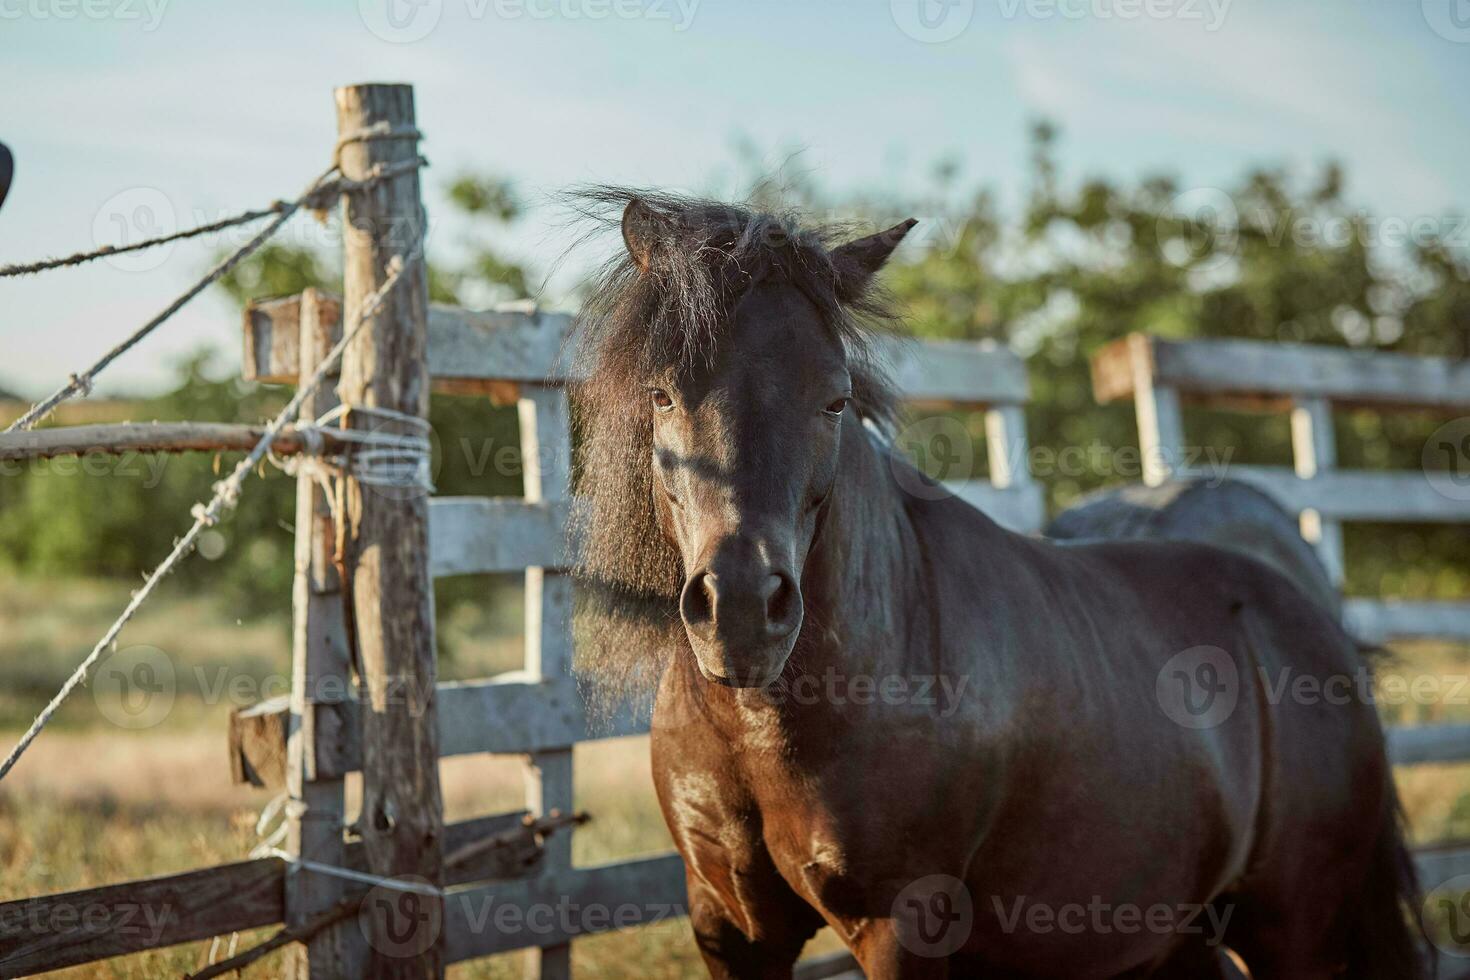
column 387, row 549
column 321, row 677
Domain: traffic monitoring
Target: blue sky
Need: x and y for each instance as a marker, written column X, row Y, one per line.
column 155, row 111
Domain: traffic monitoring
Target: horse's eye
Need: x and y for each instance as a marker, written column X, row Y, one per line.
column 835, row 409
column 661, row 400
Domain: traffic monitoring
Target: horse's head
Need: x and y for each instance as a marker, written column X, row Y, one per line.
column 746, row 431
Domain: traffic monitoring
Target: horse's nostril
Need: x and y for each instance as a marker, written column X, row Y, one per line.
column 783, row 606
column 697, row 604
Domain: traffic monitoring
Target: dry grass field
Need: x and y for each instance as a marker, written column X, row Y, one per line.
column 94, row 802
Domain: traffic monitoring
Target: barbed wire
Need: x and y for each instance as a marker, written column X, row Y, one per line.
column 106, row 251
column 316, row 196
column 227, row 492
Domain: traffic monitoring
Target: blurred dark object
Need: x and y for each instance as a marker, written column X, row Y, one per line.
column 7, row 170
column 1225, row 513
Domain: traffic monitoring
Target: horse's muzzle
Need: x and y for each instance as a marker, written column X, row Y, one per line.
column 742, row 616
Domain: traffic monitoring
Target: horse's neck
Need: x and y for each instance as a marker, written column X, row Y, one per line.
column 864, row 569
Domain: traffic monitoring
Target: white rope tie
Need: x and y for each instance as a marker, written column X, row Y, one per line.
column 227, row 491
column 387, row 459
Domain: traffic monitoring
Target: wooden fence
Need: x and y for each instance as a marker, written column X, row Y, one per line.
column 538, row 711
column 391, row 545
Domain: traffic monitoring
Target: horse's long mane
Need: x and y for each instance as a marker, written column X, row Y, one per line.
column 702, row 257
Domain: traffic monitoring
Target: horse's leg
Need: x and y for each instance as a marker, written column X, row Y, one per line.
column 884, row 956
column 729, row 954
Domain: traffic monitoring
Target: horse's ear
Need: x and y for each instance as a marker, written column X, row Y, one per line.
column 857, row 261
column 642, row 226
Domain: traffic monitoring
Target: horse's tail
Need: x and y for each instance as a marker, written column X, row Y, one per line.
column 1382, row 928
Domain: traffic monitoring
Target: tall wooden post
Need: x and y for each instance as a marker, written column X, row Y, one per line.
column 320, row 677
column 402, row 822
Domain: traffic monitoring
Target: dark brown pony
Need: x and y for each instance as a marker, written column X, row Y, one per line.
column 971, row 753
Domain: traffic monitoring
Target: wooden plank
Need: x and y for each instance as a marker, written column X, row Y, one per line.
column 272, row 340
column 464, row 345
column 386, row 536
column 321, row 674
column 528, row 346
column 506, row 715
column 1021, row 507
column 518, row 860
column 1314, row 454
column 546, row 447
column 551, row 909
column 954, row 371
column 1412, row 745
column 152, row 437
column 1007, row 448
column 1441, row 863
column 1349, row 377
column 53, row 931
column 1378, row 620
column 1351, row 495
column 476, row 535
